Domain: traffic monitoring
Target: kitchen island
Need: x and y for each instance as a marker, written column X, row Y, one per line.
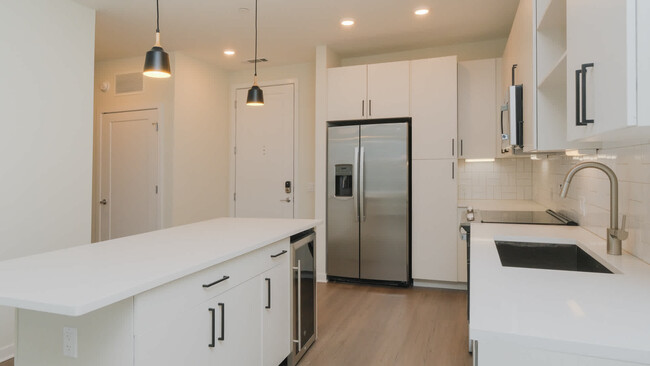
column 535, row 317
column 196, row 294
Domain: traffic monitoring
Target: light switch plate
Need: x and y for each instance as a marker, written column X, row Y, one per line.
column 70, row 342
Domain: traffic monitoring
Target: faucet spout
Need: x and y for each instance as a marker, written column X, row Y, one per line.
column 615, row 236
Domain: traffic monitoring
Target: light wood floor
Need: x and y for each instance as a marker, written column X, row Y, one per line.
column 367, row 325
column 7, row 363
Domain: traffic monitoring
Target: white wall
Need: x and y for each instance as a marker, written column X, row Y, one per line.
column 158, row 93
column 465, row 51
column 201, row 141
column 304, row 74
column 46, row 101
column 588, row 199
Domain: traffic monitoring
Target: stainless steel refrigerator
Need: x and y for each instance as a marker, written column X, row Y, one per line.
column 368, row 202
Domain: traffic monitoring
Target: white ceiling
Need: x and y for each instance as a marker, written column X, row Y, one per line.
column 291, row 29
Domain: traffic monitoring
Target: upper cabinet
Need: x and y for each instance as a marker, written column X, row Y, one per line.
column 368, row 91
column 477, row 107
column 434, row 84
column 602, row 67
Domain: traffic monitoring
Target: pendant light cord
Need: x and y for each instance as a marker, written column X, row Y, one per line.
column 157, row 18
column 255, row 37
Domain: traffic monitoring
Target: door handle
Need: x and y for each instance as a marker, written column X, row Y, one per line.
column 453, row 147
column 223, row 318
column 211, row 345
column 268, row 281
column 286, row 200
column 578, row 122
column 581, row 96
column 362, row 188
column 103, row 202
column 355, row 184
column 363, row 108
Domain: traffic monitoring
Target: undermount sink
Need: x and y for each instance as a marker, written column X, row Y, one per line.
column 563, row 257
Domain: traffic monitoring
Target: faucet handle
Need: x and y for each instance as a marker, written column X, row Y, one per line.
column 621, row 234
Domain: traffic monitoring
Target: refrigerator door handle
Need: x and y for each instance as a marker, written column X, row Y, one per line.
column 362, row 190
column 355, row 184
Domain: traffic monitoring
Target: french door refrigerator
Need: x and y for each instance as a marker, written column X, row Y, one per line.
column 368, row 202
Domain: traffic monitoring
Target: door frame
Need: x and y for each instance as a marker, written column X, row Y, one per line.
column 233, row 139
column 97, row 185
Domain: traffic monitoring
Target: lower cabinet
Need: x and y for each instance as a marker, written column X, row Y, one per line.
column 276, row 314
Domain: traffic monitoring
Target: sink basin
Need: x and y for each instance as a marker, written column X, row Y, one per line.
column 563, row 257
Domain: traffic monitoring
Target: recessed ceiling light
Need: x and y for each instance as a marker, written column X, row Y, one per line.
column 347, row 22
column 228, row 52
column 422, row 11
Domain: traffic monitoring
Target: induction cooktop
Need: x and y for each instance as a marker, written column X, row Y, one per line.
column 548, row 217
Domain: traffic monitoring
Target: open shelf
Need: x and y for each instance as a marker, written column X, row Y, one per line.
column 556, row 76
column 552, row 14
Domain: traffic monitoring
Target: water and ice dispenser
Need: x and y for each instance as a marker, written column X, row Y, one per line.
column 343, row 180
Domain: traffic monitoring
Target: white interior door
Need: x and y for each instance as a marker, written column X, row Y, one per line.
column 264, row 154
column 129, row 174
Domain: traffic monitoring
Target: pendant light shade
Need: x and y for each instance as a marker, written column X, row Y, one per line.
column 156, row 63
column 255, row 94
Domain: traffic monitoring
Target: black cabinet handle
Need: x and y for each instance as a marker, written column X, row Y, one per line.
column 211, row 345
column 268, row 282
column 461, row 147
column 215, row 282
column 223, row 321
column 453, row 173
column 279, row 254
column 578, row 122
column 453, row 150
column 370, row 108
column 584, row 93
column 363, row 108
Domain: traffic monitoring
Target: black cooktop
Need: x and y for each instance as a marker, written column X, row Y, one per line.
column 548, row 217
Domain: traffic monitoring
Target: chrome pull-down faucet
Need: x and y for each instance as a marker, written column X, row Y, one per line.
column 615, row 235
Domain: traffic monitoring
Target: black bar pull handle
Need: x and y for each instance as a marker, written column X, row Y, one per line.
column 370, row 108
column 453, row 148
column 363, row 108
column 578, row 121
column 223, row 321
column 461, row 147
column 584, row 93
column 268, row 282
column 215, row 282
column 279, row 254
column 453, row 170
column 211, row 345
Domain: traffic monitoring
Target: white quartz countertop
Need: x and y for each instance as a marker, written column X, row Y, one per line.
column 78, row 280
column 502, row 205
column 594, row 314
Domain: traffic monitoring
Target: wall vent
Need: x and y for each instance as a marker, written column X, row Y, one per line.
column 129, row 83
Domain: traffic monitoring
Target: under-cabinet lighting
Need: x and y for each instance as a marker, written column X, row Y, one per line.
column 479, row 160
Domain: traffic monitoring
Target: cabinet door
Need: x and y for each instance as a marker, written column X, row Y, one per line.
column 434, row 108
column 276, row 314
column 477, row 109
column 388, row 90
column 346, row 93
column 598, row 33
column 242, row 333
column 643, row 61
column 434, row 220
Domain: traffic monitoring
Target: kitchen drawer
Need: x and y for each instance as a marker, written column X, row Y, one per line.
column 164, row 301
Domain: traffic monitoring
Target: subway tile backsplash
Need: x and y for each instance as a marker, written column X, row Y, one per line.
column 503, row 179
column 588, row 199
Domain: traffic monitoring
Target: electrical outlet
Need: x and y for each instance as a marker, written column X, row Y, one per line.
column 70, row 342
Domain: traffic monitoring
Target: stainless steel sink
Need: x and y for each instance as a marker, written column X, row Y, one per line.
column 562, row 257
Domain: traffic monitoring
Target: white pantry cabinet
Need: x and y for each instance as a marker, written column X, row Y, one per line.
column 435, row 225
column 368, row 91
column 602, row 67
column 477, row 106
column 434, row 95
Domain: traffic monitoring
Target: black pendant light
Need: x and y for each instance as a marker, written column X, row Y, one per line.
column 156, row 63
column 255, row 94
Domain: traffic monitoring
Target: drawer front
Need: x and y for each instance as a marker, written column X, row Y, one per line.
column 162, row 302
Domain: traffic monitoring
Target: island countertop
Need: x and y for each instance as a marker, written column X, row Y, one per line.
column 81, row 279
column 592, row 314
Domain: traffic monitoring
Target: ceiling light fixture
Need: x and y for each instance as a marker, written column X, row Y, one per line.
column 422, row 11
column 255, row 94
column 347, row 22
column 156, row 63
column 228, row 52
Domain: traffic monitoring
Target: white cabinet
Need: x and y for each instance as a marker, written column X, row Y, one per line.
column 477, row 107
column 434, row 108
column 601, row 67
column 276, row 317
column 347, row 92
column 368, row 91
column 435, row 223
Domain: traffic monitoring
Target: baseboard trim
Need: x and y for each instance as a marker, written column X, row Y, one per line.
column 440, row 284
column 7, row 352
column 321, row 277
